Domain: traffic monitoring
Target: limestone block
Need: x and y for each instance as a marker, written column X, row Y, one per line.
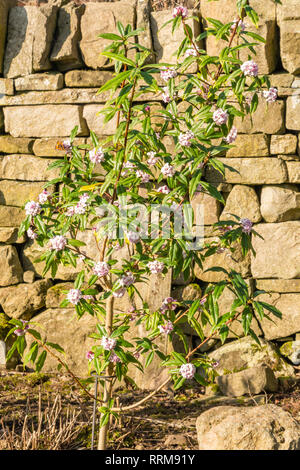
column 28, row 277
column 251, row 171
column 44, row 121
column 87, row 78
column 27, row 168
column 47, row 147
column 95, row 121
column 210, row 206
column 16, row 193
column 63, row 96
column 293, row 169
column 143, row 21
column 283, row 144
column 243, row 202
column 280, row 242
column 278, row 285
column 9, row 144
column 40, row 82
column 29, row 38
column 279, row 204
column 91, row 45
column 4, row 10
column 268, row 120
column 256, row 145
column 251, row 381
column 55, row 295
column 11, row 268
column 290, row 44
column 65, row 52
column 6, row 86
column 9, row 235
column 11, row 216
column 23, row 300
column 289, row 306
column 293, row 113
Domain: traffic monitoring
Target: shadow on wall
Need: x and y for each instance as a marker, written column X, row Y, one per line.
column 15, row 37
column 63, row 31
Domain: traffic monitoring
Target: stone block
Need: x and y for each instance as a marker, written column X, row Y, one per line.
column 283, row 144
column 40, row 82
column 11, row 216
column 256, row 145
column 27, row 168
column 278, row 285
column 87, row 78
column 12, row 272
column 243, row 202
column 289, row 306
column 251, row 381
column 16, row 193
column 9, row 144
column 279, row 204
column 266, row 119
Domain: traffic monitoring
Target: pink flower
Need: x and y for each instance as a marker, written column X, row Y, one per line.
column 191, row 52
column 133, row 237
column 168, row 304
column 70, row 211
column 152, row 160
column 163, row 189
column 22, row 331
column 74, row 296
column 220, row 117
column 90, row 355
column 188, row 371
column 136, row 355
column 180, row 11
column 165, row 95
column 270, row 95
column 114, row 358
column 67, row 145
column 101, row 269
column 32, row 208
column 119, row 293
column 250, row 68
column 185, row 138
column 58, row 243
column 31, row 234
column 231, row 137
column 167, row 73
column 96, row 155
column 127, row 279
column 246, row 225
column 44, row 196
column 240, row 24
column 143, row 176
column 108, row 343
column 147, row 108
column 155, row 267
column 127, row 167
column 168, row 170
column 167, row 328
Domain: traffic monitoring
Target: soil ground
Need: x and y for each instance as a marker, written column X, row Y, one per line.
column 41, row 411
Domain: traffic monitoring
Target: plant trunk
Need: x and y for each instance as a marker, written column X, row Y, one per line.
column 107, row 393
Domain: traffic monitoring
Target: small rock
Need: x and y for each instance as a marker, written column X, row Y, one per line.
column 28, row 277
column 248, row 382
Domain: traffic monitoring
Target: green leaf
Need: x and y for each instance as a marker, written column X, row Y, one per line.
column 119, row 57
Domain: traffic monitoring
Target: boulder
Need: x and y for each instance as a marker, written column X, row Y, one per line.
column 11, row 268
column 143, row 10
column 44, row 121
column 29, row 38
column 55, row 295
column 243, row 202
column 256, row 145
column 281, row 241
column 283, row 144
column 91, row 45
column 250, row 381
column 245, row 353
column 279, row 204
column 264, row 427
column 290, row 44
column 23, row 300
column 40, row 82
column 26, row 168
column 65, row 52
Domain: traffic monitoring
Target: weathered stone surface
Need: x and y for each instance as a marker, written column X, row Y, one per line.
column 10, row 235
column 44, row 121
column 63, row 96
column 268, row 120
column 291, row 349
column 40, row 82
column 209, row 205
column 30, row 32
column 278, row 285
column 189, row 292
column 9, row 144
column 251, row 381
column 26, row 167
column 95, row 121
column 164, row 42
column 264, row 427
column 243, row 202
column 281, row 80
column 251, row 171
column 6, row 86
column 283, row 144
column 246, row 353
column 290, row 44
column 47, row 147
column 11, row 268
column 55, row 295
column 289, row 305
column 28, row 277
column 91, row 46
column 87, row 78
column 280, row 242
column 15, row 193
column 293, row 169
column 250, row 146
column 4, row 9
column 11, row 216
column 226, row 260
column 23, row 300
column 1, row 120
column 143, row 21
column 293, row 113
column 65, row 52
column 279, row 204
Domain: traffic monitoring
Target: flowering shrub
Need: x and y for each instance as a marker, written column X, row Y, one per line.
column 140, row 169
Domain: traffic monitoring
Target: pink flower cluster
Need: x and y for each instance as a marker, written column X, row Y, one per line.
column 90, row 355
column 145, row 177
column 166, row 95
column 168, row 170
column 74, row 296
column 167, row 73
column 108, row 343
column 185, row 138
column 180, row 11
column 133, row 237
column 127, row 279
column 163, row 189
column 167, row 328
column 114, row 358
column 32, row 208
column 220, row 117
column 191, row 52
column 67, row 145
column 241, row 24
column 101, row 269
column 44, row 196
column 270, row 95
column 96, row 155
column 119, row 293
column 22, row 331
column 188, row 371
column 169, row 303
column 246, row 225
column 152, row 160
column 231, row 137
column 156, row 266
column 81, row 206
column 57, row 243
column 127, row 167
column 31, row 234
column 250, row 68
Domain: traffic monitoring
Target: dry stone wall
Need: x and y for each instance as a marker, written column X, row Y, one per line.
column 51, row 70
